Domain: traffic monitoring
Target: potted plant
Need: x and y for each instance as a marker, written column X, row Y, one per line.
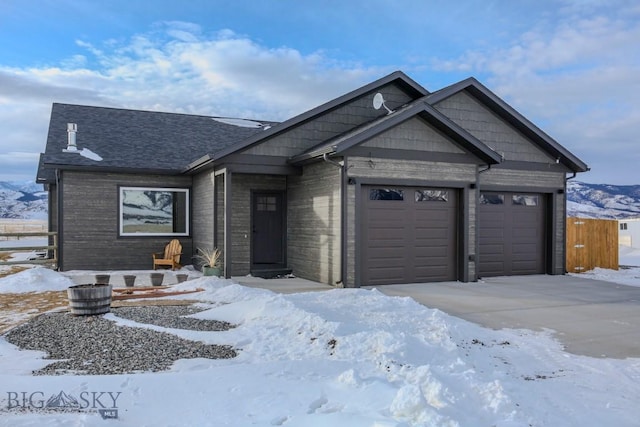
column 209, row 259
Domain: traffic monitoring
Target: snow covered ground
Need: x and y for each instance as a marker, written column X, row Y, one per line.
column 345, row 357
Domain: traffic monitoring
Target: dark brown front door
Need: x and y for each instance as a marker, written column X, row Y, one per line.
column 267, row 237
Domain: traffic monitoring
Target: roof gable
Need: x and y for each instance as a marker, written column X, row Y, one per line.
column 512, row 117
column 419, row 108
column 398, row 79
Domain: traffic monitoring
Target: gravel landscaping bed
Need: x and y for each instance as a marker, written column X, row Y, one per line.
column 92, row 345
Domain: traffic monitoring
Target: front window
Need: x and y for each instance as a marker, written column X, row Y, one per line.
column 154, row 211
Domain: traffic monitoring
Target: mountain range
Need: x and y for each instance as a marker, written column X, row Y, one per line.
column 603, row 201
column 28, row 200
column 23, row 200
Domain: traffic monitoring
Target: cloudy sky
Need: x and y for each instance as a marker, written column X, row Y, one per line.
column 570, row 66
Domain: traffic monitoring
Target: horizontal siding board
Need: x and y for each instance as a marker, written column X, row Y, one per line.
column 90, row 238
column 202, row 217
column 313, row 223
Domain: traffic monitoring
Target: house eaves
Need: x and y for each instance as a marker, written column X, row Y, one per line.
column 397, row 77
column 419, row 108
column 513, row 117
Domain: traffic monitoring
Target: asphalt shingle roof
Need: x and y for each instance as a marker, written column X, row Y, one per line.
column 133, row 139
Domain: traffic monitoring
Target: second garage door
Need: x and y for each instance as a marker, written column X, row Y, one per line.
column 409, row 235
column 512, row 234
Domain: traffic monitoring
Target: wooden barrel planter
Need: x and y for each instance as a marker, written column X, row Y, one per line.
column 89, row 299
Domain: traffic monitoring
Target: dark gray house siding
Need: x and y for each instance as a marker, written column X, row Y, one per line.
column 313, row 223
column 89, row 228
column 219, row 216
column 202, row 224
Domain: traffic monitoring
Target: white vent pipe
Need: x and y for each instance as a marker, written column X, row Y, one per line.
column 72, row 128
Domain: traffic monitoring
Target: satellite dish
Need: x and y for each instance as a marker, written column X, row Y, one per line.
column 378, row 102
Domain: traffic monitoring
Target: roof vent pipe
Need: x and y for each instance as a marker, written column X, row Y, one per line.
column 72, row 129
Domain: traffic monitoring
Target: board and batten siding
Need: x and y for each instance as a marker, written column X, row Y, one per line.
column 90, row 235
column 243, row 186
column 329, row 125
column 408, row 172
column 202, row 211
column 313, row 223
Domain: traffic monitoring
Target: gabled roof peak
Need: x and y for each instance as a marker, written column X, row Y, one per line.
column 492, row 101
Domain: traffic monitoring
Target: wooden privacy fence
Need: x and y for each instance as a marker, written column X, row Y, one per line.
column 49, row 251
column 591, row 243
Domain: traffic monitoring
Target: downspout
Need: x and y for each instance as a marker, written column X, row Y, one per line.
column 484, row 170
column 477, row 221
column 343, row 214
column 59, row 228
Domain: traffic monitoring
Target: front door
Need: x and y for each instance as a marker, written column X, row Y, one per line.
column 268, row 233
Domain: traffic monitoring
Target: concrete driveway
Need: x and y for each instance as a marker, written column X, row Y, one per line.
column 590, row 317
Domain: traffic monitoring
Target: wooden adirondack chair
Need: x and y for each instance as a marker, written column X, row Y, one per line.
column 170, row 257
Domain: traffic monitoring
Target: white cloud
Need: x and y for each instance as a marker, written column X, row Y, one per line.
column 173, row 68
column 576, row 77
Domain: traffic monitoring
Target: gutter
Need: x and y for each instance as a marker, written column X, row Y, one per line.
column 343, row 216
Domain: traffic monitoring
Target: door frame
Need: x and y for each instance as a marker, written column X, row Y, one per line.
column 548, row 227
column 283, row 195
column 462, row 190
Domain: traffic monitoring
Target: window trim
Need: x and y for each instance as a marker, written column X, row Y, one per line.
column 187, row 213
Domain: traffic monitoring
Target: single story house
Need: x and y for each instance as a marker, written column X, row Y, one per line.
column 387, row 184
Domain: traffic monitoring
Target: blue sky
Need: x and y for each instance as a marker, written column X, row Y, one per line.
column 570, row 66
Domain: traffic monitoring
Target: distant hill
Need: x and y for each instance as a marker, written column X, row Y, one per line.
column 603, row 200
column 23, row 200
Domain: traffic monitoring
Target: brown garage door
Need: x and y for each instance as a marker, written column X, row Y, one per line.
column 511, row 234
column 409, row 235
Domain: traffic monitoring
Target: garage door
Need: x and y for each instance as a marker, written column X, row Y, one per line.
column 511, row 234
column 409, row 235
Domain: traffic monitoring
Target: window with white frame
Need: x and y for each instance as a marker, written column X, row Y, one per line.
column 149, row 211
